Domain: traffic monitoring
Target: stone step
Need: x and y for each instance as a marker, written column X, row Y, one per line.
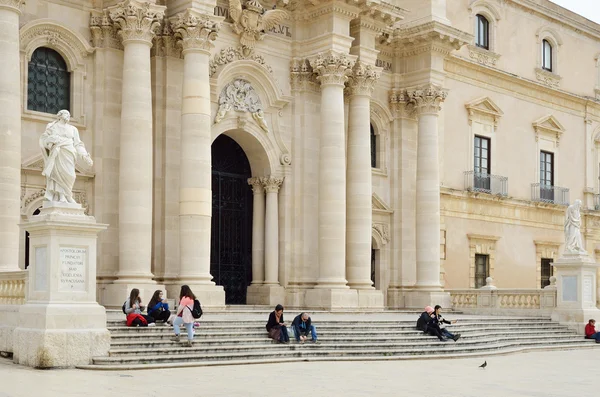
column 321, row 351
column 331, row 345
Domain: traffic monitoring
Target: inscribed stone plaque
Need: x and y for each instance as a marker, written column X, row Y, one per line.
column 72, row 269
column 41, row 269
column 569, row 286
column 587, row 289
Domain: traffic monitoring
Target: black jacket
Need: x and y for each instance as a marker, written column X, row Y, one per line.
column 297, row 324
column 424, row 321
column 272, row 321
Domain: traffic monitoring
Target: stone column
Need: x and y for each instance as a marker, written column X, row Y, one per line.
column 359, row 187
column 332, row 69
column 197, row 31
column 10, row 134
column 258, row 231
column 271, row 185
column 137, row 22
column 427, row 102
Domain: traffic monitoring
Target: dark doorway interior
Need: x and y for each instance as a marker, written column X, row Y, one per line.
column 231, row 234
column 36, row 212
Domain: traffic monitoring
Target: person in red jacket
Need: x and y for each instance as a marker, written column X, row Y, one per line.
column 590, row 331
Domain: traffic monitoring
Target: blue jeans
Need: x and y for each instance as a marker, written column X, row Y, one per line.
column 303, row 331
column 595, row 336
column 188, row 326
column 447, row 333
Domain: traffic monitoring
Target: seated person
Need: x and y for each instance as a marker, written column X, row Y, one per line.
column 440, row 321
column 302, row 326
column 133, row 309
column 276, row 326
column 590, row 331
column 158, row 308
column 426, row 324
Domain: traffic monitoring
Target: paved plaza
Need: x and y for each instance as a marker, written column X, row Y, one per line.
column 547, row 374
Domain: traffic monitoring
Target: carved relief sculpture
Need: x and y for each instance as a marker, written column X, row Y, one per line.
column 573, row 241
column 61, row 148
column 240, row 96
column 251, row 21
column 137, row 20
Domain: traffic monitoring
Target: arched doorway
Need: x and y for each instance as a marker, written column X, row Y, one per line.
column 231, row 234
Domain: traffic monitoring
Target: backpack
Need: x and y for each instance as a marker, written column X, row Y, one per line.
column 197, row 310
column 124, row 303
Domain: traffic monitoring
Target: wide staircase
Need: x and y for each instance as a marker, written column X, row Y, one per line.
column 238, row 336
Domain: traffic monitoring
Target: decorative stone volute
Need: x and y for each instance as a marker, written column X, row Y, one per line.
column 196, row 31
column 302, row 77
column 14, row 5
column 363, row 78
column 332, row 68
column 137, row 20
column 271, row 183
column 427, row 99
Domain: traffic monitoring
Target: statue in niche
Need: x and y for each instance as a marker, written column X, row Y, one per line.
column 240, row 96
column 251, row 21
column 61, row 148
column 573, row 241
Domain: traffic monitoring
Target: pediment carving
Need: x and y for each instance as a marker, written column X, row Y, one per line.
column 486, row 107
column 550, row 127
column 380, row 206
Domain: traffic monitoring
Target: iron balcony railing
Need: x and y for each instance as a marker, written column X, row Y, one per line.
column 549, row 194
column 486, row 183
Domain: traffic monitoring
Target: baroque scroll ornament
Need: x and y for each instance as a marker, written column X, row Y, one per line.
column 251, row 21
column 240, row 96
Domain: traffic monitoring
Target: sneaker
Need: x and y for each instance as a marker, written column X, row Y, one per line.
column 456, row 337
column 188, row 344
column 316, row 342
column 175, row 338
column 152, row 325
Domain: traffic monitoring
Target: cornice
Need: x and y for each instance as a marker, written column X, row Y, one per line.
column 430, row 36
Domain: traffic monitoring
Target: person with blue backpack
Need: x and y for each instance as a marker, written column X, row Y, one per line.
column 188, row 310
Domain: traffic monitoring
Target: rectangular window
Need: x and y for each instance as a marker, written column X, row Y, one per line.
column 373, row 148
column 482, row 269
column 482, row 167
column 546, row 55
column 546, row 271
column 547, row 176
column 482, row 38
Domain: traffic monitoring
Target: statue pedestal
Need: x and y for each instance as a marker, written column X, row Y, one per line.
column 61, row 324
column 576, row 290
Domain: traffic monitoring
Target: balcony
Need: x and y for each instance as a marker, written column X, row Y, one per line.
column 486, row 183
column 549, row 194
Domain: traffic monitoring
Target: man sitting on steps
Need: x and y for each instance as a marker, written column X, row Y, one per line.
column 302, row 326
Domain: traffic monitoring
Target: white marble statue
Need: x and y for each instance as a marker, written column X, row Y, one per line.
column 573, row 241
column 61, row 148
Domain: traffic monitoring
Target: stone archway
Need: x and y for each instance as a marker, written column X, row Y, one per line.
column 231, row 229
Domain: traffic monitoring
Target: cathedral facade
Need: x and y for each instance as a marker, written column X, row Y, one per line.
column 324, row 154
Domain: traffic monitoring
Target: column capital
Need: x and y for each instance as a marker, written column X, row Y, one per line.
column 137, row 20
column 13, row 5
column 332, row 67
column 402, row 107
column 363, row 78
column 195, row 30
column 271, row 183
column 427, row 99
column 256, row 183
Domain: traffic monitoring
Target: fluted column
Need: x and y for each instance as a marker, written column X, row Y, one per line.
column 258, row 231
column 359, row 220
column 197, row 32
column 271, row 185
column 137, row 22
column 332, row 69
column 427, row 102
column 10, row 134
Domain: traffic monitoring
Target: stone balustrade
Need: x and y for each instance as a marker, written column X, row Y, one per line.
column 13, row 287
column 493, row 300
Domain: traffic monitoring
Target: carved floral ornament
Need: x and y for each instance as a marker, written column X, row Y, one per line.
column 383, row 230
column 16, row 4
column 137, row 20
column 196, row 31
column 332, row 67
column 427, row 99
column 363, row 79
column 228, row 55
column 240, row 96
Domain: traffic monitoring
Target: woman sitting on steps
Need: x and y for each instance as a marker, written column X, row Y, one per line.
column 158, row 307
column 133, row 310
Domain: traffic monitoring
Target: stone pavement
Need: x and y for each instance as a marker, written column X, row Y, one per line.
column 544, row 374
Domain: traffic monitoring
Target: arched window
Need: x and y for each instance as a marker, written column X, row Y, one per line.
column 546, row 55
column 36, row 212
column 48, row 82
column 482, row 37
column 373, row 148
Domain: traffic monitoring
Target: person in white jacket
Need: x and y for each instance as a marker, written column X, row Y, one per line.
column 184, row 315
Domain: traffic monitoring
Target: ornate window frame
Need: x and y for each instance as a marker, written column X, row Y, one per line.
column 381, row 119
column 482, row 111
column 548, row 131
column 544, row 249
column 72, row 47
column 546, row 77
column 484, row 245
column 488, row 10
